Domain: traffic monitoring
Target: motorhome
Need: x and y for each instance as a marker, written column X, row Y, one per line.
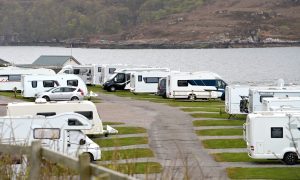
column 146, row 81
column 90, row 74
column 196, row 85
column 61, row 133
column 10, row 77
column 121, row 79
column 280, row 103
column 34, row 84
column 41, row 107
column 273, row 135
column 236, row 99
column 256, row 95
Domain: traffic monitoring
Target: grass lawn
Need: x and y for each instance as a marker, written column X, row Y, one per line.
column 121, row 141
column 204, row 109
column 11, row 94
column 216, row 115
column 178, row 103
column 218, row 122
column 136, row 168
column 220, row 132
column 286, row 173
column 239, row 157
column 112, row 123
column 224, row 143
column 131, row 130
column 126, row 154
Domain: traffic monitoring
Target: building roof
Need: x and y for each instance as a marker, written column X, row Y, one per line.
column 4, row 62
column 53, row 60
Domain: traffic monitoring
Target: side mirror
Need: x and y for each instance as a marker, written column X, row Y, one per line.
column 82, row 142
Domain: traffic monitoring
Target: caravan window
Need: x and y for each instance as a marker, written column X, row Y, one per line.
column 46, row 113
column 182, row 83
column 99, row 69
column 151, row 79
column 14, row 78
column 111, row 70
column 50, row 83
column 76, row 71
column 67, row 71
column 140, row 78
column 72, row 82
column 276, row 132
column 87, row 114
column 221, row 84
column 74, row 122
column 34, row 84
column 46, row 133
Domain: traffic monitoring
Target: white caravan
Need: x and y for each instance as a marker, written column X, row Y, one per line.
column 34, row 84
column 40, row 107
column 90, row 73
column 273, row 135
column 201, row 85
column 10, row 77
column 256, row 95
column 281, row 104
column 60, row 133
column 235, row 98
column 121, row 79
column 146, row 81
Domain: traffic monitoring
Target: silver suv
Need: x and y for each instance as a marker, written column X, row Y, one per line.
column 62, row 93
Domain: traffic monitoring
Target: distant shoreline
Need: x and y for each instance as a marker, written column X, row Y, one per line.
column 189, row 45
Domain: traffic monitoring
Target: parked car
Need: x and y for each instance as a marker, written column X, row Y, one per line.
column 62, row 93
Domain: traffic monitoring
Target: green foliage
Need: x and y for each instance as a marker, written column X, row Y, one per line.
column 218, row 122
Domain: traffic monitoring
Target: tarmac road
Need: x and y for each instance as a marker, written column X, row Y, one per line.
column 171, row 136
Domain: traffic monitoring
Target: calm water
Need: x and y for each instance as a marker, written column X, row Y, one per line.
column 253, row 65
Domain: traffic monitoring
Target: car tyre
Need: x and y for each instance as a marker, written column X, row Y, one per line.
column 46, row 97
column 112, row 89
column 290, row 158
column 74, row 98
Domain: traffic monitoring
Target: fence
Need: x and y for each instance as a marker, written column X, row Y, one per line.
column 82, row 165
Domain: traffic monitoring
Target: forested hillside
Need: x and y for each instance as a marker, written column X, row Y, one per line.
column 148, row 20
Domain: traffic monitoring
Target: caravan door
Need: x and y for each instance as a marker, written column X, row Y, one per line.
column 75, row 139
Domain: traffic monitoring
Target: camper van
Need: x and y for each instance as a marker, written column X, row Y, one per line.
column 273, row 135
column 146, row 81
column 256, row 95
column 43, row 108
column 34, row 84
column 196, row 85
column 61, row 133
column 90, row 73
column 280, row 103
column 236, row 99
column 121, row 79
column 10, row 77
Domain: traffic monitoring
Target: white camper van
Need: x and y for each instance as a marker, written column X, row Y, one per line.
column 146, row 81
column 34, row 84
column 10, row 77
column 60, row 133
column 256, row 95
column 195, row 85
column 280, row 103
column 90, row 73
column 121, row 79
column 273, row 135
column 85, row 108
column 236, row 99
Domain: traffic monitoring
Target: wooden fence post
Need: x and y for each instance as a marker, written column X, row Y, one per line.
column 35, row 160
column 84, row 167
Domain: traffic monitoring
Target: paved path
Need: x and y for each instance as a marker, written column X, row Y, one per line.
column 171, row 136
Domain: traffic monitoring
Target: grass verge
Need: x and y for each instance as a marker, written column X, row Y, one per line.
column 216, row 115
column 136, row 168
column 239, row 157
column 220, row 132
column 218, row 122
column 112, row 123
column 205, row 109
column 287, row 173
column 18, row 96
column 131, row 130
column 224, row 143
column 126, row 154
column 121, row 141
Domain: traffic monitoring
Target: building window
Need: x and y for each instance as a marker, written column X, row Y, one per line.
column 151, row 79
column 140, row 78
column 72, row 83
column 46, row 133
column 276, row 132
column 182, row 83
column 34, row 84
column 87, row 114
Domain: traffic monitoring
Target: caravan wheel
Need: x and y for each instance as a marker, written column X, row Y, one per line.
column 290, row 158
